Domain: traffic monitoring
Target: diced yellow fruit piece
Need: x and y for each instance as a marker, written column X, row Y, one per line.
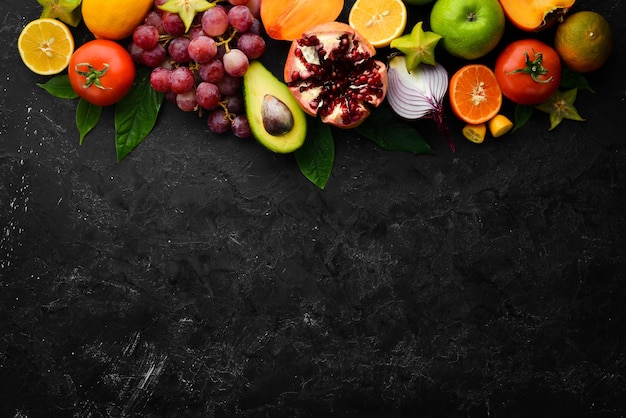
column 475, row 132
column 499, row 125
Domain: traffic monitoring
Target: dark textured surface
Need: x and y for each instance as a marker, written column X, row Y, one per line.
column 205, row 276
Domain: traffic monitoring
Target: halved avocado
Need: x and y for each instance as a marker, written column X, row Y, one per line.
column 276, row 120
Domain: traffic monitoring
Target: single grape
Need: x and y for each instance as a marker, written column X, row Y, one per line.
column 221, row 50
column 187, row 101
column 235, row 62
column 211, row 71
column 202, row 49
column 145, row 36
column 181, row 80
column 255, row 8
column 252, row 45
column 135, row 52
column 240, row 18
column 229, row 85
column 207, row 95
column 173, row 24
column 215, row 21
column 195, row 31
column 255, row 27
column 235, row 103
column 178, row 49
column 170, row 96
column 153, row 57
column 153, row 18
column 158, row 3
column 160, row 79
column 218, row 121
column 241, row 127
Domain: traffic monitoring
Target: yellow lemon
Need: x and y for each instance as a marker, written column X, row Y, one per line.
column 378, row 21
column 46, row 46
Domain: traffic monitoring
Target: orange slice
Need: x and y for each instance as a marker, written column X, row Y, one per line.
column 475, row 95
column 46, row 46
column 379, row 21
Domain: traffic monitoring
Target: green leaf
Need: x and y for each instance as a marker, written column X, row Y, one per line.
column 392, row 134
column 87, row 117
column 136, row 114
column 571, row 79
column 523, row 113
column 316, row 156
column 59, row 86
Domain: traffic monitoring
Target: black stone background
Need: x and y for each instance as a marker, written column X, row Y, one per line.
column 205, row 276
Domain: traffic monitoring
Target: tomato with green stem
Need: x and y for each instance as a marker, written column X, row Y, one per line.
column 102, row 72
column 528, row 71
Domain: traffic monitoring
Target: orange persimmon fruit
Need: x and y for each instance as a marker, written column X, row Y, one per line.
column 535, row 15
column 287, row 19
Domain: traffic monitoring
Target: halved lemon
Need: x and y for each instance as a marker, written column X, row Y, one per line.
column 46, row 46
column 379, row 21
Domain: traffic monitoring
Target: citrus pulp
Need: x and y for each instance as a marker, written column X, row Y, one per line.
column 45, row 46
column 475, row 96
column 378, row 21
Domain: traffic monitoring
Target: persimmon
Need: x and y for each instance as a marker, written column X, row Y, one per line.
column 288, row 19
column 535, row 15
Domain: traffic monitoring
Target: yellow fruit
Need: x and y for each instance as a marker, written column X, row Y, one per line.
column 46, row 46
column 499, row 125
column 378, row 21
column 584, row 41
column 475, row 132
column 114, row 19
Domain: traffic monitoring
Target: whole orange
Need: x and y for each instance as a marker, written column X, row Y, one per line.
column 114, row 19
column 584, row 41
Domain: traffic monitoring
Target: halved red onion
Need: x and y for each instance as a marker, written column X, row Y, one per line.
column 419, row 93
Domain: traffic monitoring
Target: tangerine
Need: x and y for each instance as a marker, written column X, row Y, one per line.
column 475, row 96
column 114, row 19
column 584, row 41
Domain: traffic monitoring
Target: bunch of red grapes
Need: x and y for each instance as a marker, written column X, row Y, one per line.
column 202, row 69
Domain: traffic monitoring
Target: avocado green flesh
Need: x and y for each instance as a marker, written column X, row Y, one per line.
column 259, row 82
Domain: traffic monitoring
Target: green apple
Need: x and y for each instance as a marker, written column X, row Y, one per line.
column 470, row 28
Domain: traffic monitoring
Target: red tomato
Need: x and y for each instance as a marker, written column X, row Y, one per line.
column 528, row 71
column 101, row 72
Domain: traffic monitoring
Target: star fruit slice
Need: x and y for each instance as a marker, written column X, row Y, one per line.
column 67, row 11
column 417, row 46
column 186, row 9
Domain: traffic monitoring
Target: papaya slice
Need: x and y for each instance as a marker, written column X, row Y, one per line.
column 288, row 19
column 535, row 15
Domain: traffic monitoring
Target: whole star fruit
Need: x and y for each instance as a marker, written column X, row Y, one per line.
column 417, row 46
column 561, row 106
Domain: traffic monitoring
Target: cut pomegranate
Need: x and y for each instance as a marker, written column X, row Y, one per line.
column 332, row 73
